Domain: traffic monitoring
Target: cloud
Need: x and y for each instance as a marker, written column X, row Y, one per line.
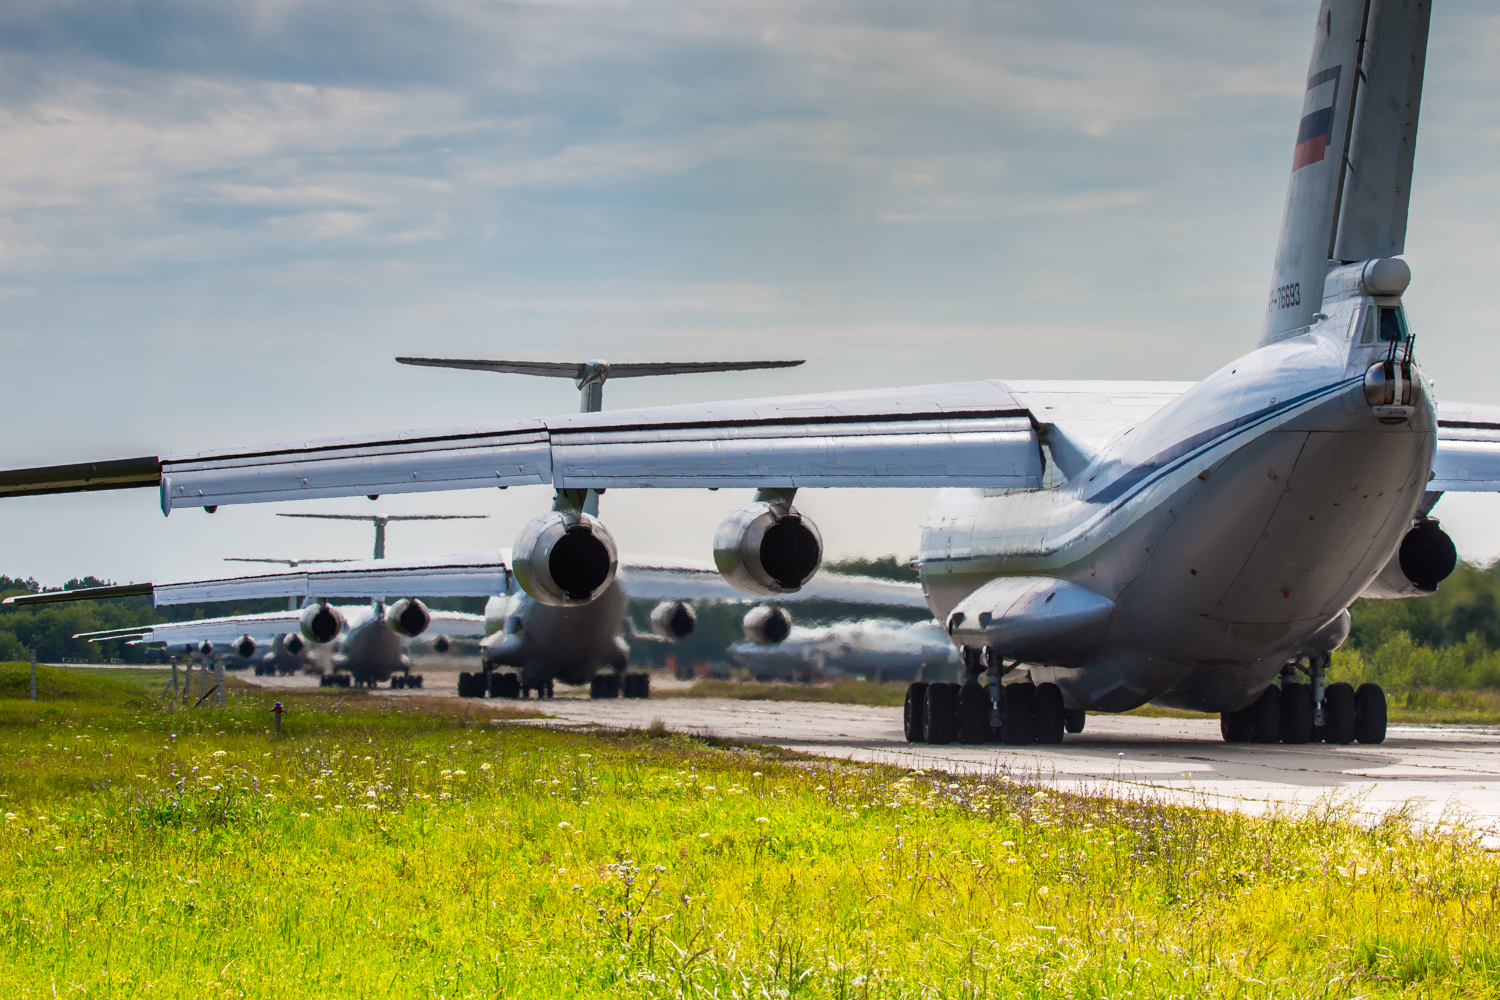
column 275, row 197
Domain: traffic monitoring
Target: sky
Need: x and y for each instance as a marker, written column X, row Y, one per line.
column 220, row 222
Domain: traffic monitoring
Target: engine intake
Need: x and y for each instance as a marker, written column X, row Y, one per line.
column 408, row 617
column 768, row 548
column 767, row 624
column 565, row 559
column 244, row 646
column 1425, row 559
column 673, row 620
column 442, row 644
column 321, row 623
column 293, row 643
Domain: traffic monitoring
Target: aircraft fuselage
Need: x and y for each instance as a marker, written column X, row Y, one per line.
column 1232, row 529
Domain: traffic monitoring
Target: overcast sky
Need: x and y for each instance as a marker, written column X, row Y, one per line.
column 219, row 222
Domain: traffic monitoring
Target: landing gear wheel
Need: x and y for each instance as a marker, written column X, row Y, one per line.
column 506, row 686
column 1235, row 726
column 1296, row 713
column 601, row 686
column 1047, row 714
column 940, row 713
column 467, row 685
column 1073, row 719
column 637, row 685
column 1338, row 713
column 912, row 726
column 1369, row 714
column 1016, row 711
column 973, row 713
column 1265, row 717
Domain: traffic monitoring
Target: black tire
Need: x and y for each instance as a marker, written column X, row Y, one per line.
column 509, row 686
column 1296, row 713
column 1338, row 713
column 1235, row 726
column 416, row 681
column 1047, row 714
column 595, row 689
column 465, row 682
column 940, row 713
column 913, row 724
column 609, row 686
column 1369, row 714
column 1073, row 719
column 547, row 688
column 1016, row 711
column 973, row 713
column 496, row 683
column 1265, row 717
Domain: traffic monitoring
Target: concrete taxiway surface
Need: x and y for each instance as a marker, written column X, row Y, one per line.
column 1439, row 773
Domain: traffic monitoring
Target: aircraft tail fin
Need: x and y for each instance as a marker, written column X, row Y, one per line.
column 1356, row 144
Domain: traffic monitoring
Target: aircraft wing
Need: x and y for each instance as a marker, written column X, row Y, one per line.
column 1468, row 450
column 978, row 434
column 262, row 628
column 455, row 623
column 484, row 573
column 653, row 578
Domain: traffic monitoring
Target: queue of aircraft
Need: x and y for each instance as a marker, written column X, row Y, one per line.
column 1093, row 545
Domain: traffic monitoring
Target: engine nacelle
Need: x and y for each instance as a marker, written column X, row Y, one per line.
column 1425, row 558
column 768, row 548
column 408, row 617
column 767, row 624
column 293, row 643
column 442, row 644
column 245, row 646
column 564, row 559
column 206, row 648
column 673, row 620
column 321, row 623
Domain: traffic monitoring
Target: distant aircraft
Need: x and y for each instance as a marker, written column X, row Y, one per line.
column 540, row 643
column 1180, row 543
column 876, row 649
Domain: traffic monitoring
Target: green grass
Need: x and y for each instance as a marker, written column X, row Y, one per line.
column 396, row 847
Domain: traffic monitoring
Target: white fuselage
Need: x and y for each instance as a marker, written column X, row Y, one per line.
column 1230, row 529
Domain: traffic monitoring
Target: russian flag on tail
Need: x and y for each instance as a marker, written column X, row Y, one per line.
column 1317, row 118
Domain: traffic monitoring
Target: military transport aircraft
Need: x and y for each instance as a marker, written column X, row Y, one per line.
column 526, row 644
column 1179, row 543
column 878, row 649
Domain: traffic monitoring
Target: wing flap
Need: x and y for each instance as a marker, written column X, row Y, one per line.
column 1468, row 449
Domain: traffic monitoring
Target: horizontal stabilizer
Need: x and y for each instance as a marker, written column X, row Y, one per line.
column 576, row 370
column 1030, row 618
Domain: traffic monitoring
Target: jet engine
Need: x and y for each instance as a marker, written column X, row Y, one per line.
column 442, row 644
column 293, row 644
column 206, row 648
column 244, row 646
column 564, row 559
column 767, row 624
column 321, row 623
column 768, row 548
column 673, row 620
column 1424, row 560
column 408, row 617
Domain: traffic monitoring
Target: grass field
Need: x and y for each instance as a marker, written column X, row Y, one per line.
column 416, row 848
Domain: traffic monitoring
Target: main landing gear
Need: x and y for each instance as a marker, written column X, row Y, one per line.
column 1313, row 712
column 500, row 685
column 614, row 685
column 971, row 712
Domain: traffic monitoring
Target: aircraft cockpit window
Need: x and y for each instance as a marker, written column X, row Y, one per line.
column 1392, row 325
column 1388, row 322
